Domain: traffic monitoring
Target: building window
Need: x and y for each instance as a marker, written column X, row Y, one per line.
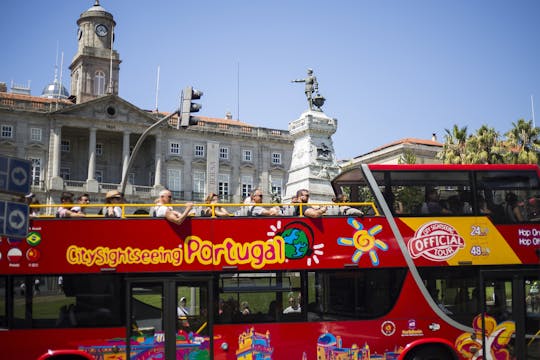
column 199, row 151
column 174, row 179
column 223, row 185
column 99, row 83
column 276, row 158
column 277, row 187
column 247, row 185
column 36, row 171
column 247, row 155
column 7, row 131
column 224, row 153
column 35, row 134
column 175, row 148
column 99, row 176
column 99, row 149
column 65, row 173
column 65, row 146
column 199, row 182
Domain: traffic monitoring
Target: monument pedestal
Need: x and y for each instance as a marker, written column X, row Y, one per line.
column 313, row 162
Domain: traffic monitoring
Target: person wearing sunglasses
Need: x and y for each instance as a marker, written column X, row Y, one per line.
column 258, row 210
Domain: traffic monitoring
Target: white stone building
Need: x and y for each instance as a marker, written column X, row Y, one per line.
column 81, row 143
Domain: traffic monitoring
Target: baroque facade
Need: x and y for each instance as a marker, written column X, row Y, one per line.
column 82, row 143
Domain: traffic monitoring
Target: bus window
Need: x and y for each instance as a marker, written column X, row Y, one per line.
column 75, row 301
column 259, row 297
column 455, row 292
column 348, row 295
column 510, row 197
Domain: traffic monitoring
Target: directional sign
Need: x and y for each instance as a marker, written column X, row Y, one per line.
column 13, row 219
column 15, row 175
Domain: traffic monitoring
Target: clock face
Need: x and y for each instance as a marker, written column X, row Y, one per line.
column 101, row 30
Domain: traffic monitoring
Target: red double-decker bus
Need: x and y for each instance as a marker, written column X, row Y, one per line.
column 442, row 264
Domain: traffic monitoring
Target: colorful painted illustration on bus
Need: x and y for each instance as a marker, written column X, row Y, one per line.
column 497, row 338
column 299, row 242
column 364, row 241
column 257, row 345
column 188, row 346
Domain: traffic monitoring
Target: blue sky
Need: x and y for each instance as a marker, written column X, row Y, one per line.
column 388, row 69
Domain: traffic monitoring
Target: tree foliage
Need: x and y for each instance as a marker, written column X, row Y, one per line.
column 520, row 145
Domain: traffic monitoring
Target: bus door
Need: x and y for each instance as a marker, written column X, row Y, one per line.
column 168, row 318
column 511, row 295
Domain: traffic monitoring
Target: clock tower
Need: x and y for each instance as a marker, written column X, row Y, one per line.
column 95, row 67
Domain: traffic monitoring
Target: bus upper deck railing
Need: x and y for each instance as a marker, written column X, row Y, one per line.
column 144, row 210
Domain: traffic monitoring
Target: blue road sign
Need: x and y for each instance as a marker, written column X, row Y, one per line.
column 15, row 175
column 13, row 219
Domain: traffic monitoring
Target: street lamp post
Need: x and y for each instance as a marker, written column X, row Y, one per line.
column 138, row 145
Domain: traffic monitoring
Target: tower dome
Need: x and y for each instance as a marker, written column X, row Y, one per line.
column 55, row 90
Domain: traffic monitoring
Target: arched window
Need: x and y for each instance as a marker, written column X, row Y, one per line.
column 99, row 83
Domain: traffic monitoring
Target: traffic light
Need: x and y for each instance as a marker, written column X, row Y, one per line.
column 189, row 107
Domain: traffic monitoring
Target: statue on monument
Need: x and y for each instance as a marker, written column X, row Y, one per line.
column 312, row 86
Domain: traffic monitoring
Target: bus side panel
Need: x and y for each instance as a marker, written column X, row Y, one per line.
column 411, row 319
column 34, row 343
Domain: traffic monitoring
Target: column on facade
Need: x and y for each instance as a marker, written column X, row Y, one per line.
column 125, row 153
column 92, row 154
column 158, row 158
column 56, row 134
column 212, row 166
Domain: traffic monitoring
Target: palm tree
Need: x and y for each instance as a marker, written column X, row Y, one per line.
column 485, row 147
column 523, row 143
column 453, row 151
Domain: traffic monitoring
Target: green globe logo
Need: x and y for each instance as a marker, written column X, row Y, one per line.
column 296, row 243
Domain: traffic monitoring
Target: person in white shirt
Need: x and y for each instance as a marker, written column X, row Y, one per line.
column 294, row 305
column 182, row 309
column 163, row 209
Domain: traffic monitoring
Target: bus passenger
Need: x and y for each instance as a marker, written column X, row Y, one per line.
column 309, row 211
column 163, row 209
column 111, row 210
column 182, row 310
column 514, row 209
column 257, row 210
column 82, row 200
column 218, row 210
column 245, row 308
column 346, row 209
column 433, row 204
column 294, row 305
column 64, row 211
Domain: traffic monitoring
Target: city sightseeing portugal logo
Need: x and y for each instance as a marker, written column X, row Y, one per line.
column 435, row 241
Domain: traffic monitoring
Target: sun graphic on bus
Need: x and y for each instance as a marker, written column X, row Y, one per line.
column 364, row 241
column 299, row 242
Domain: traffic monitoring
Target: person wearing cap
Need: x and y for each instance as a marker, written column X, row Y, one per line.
column 112, row 198
column 65, row 211
column 163, row 208
column 182, row 309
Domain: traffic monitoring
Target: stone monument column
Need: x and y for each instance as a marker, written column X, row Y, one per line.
column 313, row 162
